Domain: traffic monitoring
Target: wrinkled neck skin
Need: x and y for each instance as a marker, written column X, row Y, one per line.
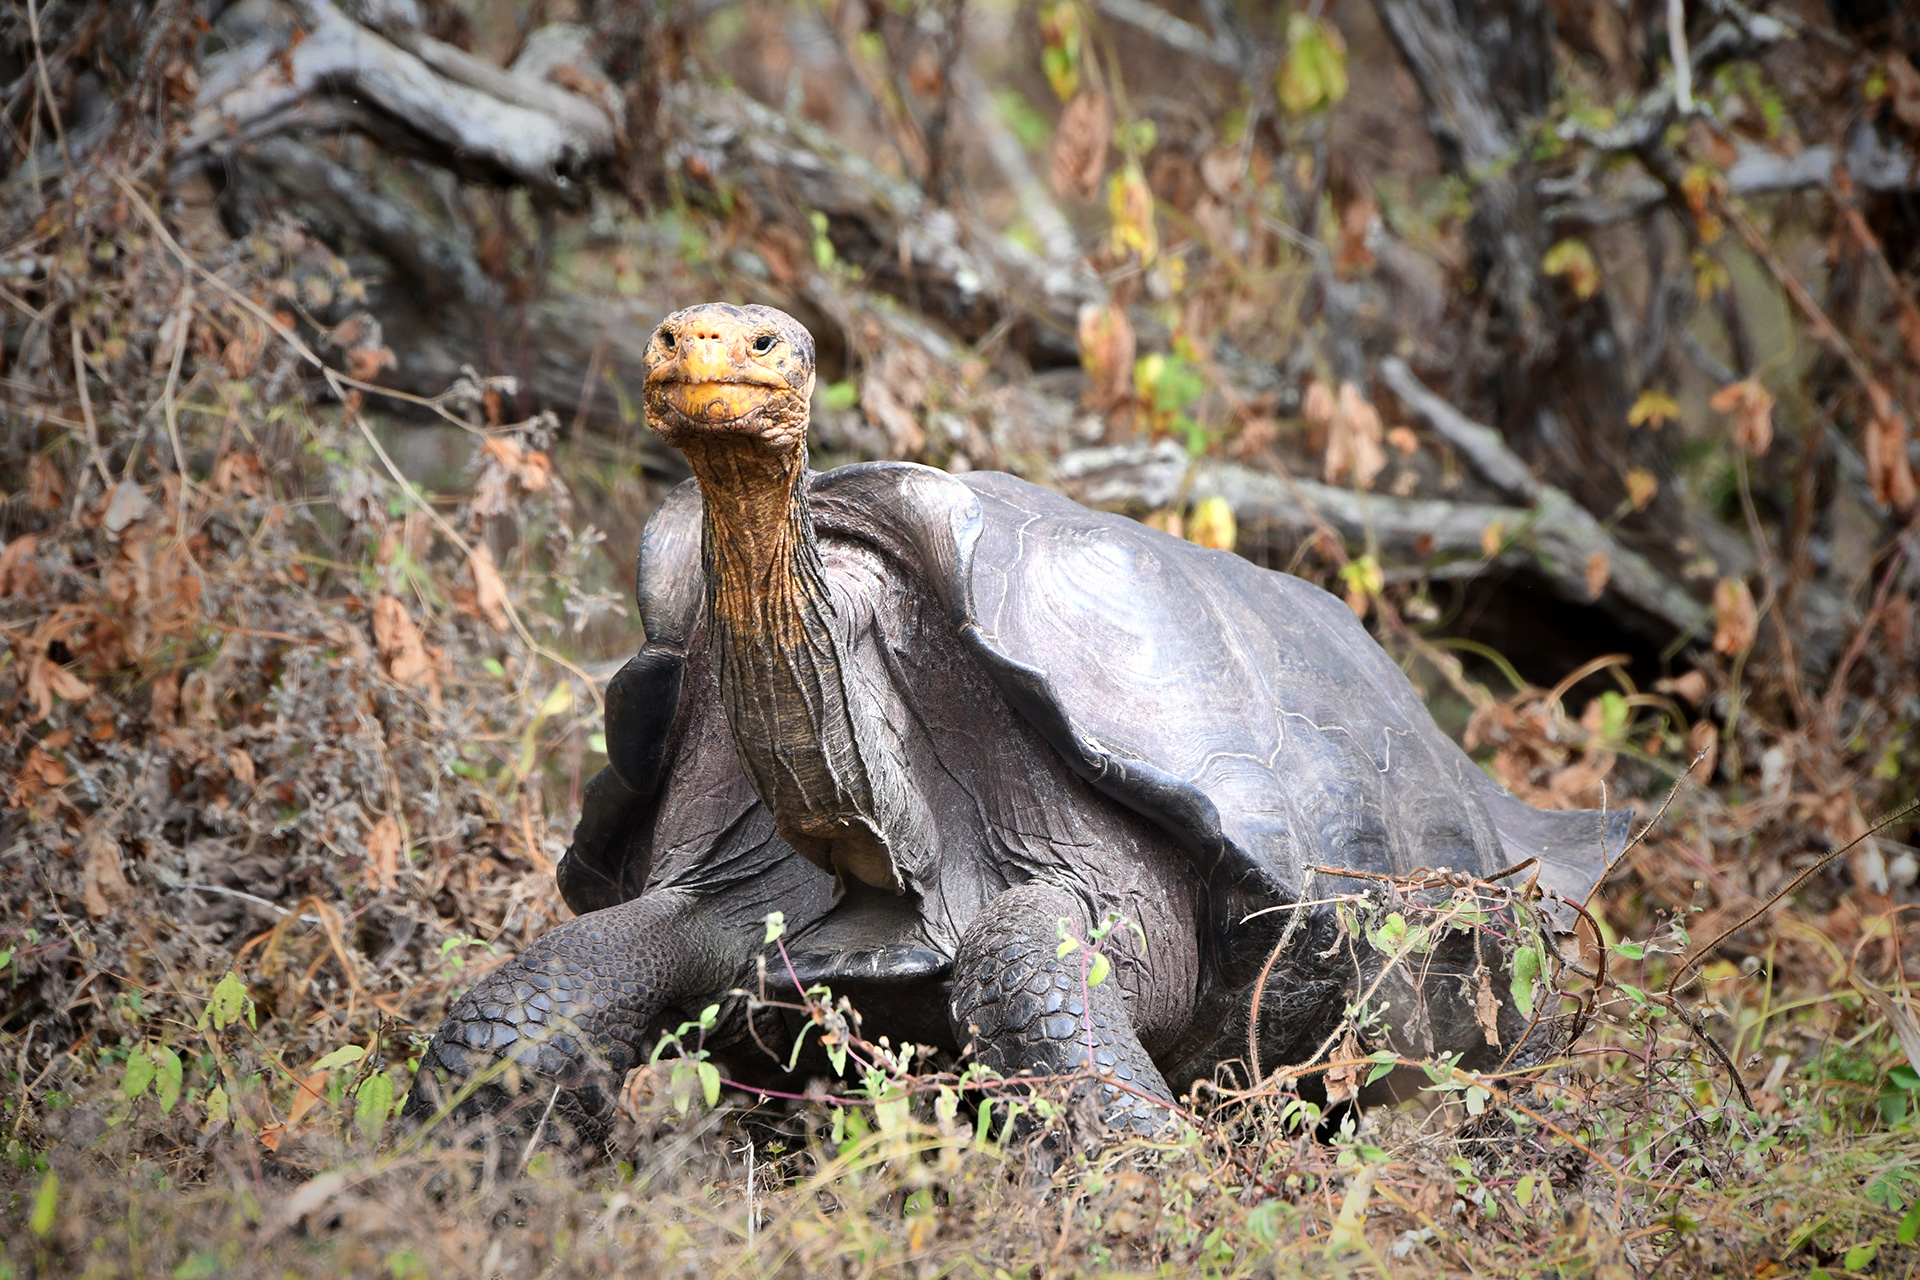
column 784, row 666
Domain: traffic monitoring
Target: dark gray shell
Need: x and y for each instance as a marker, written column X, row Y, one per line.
column 1246, row 711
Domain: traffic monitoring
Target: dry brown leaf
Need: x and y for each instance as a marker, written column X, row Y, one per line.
column 1106, row 354
column 1599, row 572
column 403, row 651
column 241, row 471
column 1405, row 439
column 1889, row 472
column 40, row 772
column 489, row 588
column 383, row 851
column 1736, row 623
column 1080, row 142
column 1343, row 1081
column 306, row 1096
column 18, row 573
column 1356, row 219
column 1354, row 437
column 241, row 765
column 1752, row 408
column 45, row 488
column 164, row 701
column 46, row 679
column 1692, row 687
column 365, row 363
column 106, row 884
column 1486, row 1007
column 1704, row 737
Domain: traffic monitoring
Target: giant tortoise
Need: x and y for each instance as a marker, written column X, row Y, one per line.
column 929, row 717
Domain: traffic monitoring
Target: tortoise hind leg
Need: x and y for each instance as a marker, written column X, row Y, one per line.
column 1022, row 1008
column 570, row 1013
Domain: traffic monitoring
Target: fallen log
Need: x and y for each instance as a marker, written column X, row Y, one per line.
column 1415, row 537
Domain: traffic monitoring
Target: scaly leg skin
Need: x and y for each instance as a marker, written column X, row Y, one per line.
column 573, row 1011
column 1021, row 1006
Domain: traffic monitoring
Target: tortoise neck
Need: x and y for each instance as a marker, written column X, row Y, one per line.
column 757, row 542
column 781, row 659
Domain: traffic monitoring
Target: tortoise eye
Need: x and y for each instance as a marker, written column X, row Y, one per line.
column 762, row 344
column 667, row 339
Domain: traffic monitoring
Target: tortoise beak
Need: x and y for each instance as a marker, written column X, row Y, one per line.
column 707, row 382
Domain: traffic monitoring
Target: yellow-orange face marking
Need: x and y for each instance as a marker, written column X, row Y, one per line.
column 715, row 366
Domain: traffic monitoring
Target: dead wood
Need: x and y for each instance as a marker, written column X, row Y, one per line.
column 1416, row 538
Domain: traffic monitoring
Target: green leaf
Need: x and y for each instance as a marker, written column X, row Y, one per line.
column 823, row 251
column 709, row 1082
column 229, row 1003
column 372, row 1105
column 1364, row 576
column 558, row 700
column 493, row 668
column 139, row 1074
column 169, row 1074
column 1909, row 1229
column 1314, row 74
column 1859, row 1256
column 1097, row 971
column 776, row 925
column 46, row 1201
column 841, row 395
column 6, row 957
column 345, row 1056
column 1066, row 948
column 709, row 1016
column 1630, row 950
column 597, row 743
column 1526, row 967
column 1477, row 1100
column 1524, row 1192
column 836, row 1053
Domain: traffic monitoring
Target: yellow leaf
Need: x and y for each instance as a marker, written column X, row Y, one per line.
column 1641, row 487
column 1130, row 208
column 1572, row 259
column 1212, row 524
column 1492, row 537
column 1653, row 410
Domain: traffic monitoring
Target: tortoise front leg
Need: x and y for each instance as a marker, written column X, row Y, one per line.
column 573, row 1011
column 1023, row 1008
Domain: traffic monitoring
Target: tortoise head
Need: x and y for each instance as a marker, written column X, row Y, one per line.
column 720, row 371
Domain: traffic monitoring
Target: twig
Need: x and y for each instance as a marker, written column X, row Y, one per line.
column 538, row 1130
column 46, row 83
column 86, row 409
column 1682, row 66
column 1684, row 974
